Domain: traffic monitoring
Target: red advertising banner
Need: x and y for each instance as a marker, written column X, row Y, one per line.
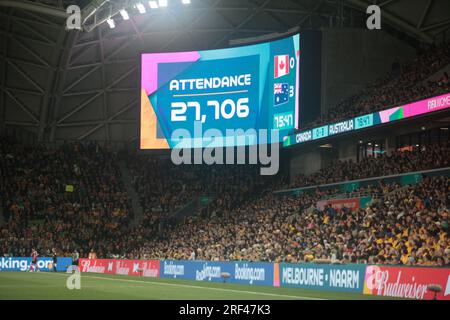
column 97, row 265
column 352, row 204
column 404, row 282
column 146, row 268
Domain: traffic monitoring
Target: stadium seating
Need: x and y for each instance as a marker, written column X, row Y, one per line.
column 164, row 187
column 73, row 197
column 409, row 226
column 407, row 83
column 66, row 197
column 428, row 157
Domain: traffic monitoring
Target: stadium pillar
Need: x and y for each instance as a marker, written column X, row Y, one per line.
column 50, row 85
column 34, row 7
column 58, row 83
column 4, row 75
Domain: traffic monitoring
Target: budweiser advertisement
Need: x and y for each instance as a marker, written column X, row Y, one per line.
column 145, row 268
column 404, row 282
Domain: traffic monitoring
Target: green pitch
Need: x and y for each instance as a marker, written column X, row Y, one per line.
column 47, row 285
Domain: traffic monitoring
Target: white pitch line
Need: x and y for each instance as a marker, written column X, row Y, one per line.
column 200, row 287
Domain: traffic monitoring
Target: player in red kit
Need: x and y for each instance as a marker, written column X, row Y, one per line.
column 34, row 265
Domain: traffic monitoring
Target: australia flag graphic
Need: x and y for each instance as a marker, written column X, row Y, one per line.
column 281, row 93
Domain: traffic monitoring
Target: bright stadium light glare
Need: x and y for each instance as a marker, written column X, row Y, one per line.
column 111, row 23
column 124, row 14
column 162, row 3
column 153, row 4
column 186, row 1
column 141, row 8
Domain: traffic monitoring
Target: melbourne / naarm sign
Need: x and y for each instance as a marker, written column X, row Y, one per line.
column 347, row 278
column 369, row 120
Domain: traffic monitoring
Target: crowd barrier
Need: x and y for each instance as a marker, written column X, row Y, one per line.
column 388, row 281
column 24, row 263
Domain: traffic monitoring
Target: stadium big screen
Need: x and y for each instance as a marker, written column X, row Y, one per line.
column 236, row 91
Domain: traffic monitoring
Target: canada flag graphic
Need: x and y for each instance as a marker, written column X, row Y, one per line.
column 281, row 66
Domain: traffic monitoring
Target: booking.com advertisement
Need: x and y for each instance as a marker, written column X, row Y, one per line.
column 24, row 263
column 241, row 89
column 250, row 273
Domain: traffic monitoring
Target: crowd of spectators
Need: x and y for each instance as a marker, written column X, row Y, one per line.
column 292, row 229
column 64, row 197
column 408, row 226
column 164, row 188
column 405, row 83
column 73, row 197
column 427, row 157
column 246, row 221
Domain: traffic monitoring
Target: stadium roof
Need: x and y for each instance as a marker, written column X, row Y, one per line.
column 85, row 85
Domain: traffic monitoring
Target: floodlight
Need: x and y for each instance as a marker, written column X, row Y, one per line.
column 153, row 4
column 111, row 23
column 124, row 14
column 141, row 8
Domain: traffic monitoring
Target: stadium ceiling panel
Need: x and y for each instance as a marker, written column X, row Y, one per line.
column 64, row 84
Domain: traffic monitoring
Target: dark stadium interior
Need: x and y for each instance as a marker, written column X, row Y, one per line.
column 73, row 175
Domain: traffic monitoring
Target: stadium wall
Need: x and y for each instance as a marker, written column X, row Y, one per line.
column 385, row 127
column 347, row 149
column 353, row 58
column 388, row 281
column 438, row 75
column 310, row 73
column 306, row 163
column 349, row 186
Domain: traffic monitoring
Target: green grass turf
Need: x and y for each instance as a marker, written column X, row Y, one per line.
column 47, row 285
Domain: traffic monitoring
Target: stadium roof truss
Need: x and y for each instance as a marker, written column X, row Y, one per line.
column 69, row 85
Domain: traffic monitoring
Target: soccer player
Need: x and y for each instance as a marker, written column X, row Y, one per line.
column 75, row 257
column 55, row 259
column 34, row 264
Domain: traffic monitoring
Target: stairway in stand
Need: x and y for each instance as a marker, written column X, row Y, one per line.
column 132, row 194
column 2, row 217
